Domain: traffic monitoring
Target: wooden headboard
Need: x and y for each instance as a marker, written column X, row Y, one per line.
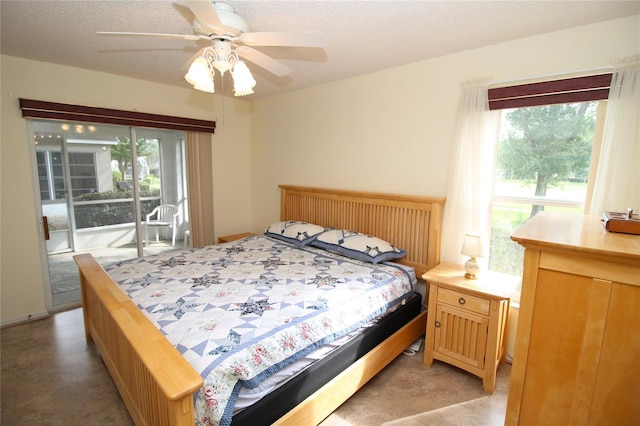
column 409, row 222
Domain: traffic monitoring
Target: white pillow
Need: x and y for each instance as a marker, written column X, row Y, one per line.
column 293, row 231
column 357, row 246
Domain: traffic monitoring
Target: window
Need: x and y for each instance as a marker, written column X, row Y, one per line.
column 544, row 156
column 50, row 175
column 197, row 152
column 82, row 170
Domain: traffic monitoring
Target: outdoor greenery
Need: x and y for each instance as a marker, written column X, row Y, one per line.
column 120, row 211
column 121, row 152
column 506, row 255
column 548, row 145
column 111, row 213
column 545, row 153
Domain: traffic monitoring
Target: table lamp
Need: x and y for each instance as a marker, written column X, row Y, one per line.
column 473, row 247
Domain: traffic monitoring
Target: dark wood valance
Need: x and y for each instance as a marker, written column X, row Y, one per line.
column 57, row 111
column 578, row 89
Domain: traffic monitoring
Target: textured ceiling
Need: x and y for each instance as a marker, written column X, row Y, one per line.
column 363, row 36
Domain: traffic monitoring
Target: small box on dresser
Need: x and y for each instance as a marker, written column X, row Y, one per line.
column 467, row 320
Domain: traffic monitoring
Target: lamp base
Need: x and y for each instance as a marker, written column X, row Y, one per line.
column 472, row 268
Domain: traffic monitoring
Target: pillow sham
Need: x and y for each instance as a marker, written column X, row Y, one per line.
column 357, row 246
column 293, row 231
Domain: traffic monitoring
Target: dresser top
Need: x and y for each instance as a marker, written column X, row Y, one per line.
column 575, row 232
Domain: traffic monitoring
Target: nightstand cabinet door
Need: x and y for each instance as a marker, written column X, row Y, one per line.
column 460, row 335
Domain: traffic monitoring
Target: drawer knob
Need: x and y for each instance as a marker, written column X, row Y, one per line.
column 462, row 301
column 437, row 324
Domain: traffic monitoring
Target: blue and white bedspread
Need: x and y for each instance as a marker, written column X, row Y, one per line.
column 240, row 311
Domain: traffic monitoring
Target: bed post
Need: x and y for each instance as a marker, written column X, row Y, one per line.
column 85, row 309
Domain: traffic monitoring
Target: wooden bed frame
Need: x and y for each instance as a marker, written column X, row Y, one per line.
column 157, row 384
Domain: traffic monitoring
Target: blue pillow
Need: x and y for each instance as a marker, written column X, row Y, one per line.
column 293, row 231
column 357, row 246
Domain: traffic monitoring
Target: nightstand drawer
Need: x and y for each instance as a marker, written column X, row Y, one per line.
column 464, row 301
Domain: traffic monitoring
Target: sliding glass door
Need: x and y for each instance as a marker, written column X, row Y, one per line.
column 97, row 185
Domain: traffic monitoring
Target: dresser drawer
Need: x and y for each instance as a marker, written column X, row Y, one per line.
column 464, row 301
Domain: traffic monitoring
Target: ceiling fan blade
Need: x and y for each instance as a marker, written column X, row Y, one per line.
column 263, row 61
column 284, row 39
column 180, row 36
column 206, row 14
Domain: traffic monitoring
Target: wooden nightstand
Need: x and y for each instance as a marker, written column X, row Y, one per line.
column 227, row 238
column 467, row 320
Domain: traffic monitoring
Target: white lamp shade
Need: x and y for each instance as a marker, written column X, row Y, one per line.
column 243, row 82
column 474, row 246
column 200, row 75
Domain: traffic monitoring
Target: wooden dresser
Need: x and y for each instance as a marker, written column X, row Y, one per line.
column 577, row 351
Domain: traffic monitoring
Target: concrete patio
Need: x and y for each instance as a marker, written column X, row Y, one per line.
column 65, row 283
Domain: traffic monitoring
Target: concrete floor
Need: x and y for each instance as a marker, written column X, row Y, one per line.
column 51, row 376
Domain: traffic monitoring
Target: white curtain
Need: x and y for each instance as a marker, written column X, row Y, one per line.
column 617, row 182
column 471, row 172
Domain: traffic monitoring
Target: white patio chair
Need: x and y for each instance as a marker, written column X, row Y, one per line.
column 165, row 215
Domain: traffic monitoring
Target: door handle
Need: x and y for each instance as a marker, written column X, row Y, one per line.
column 45, row 224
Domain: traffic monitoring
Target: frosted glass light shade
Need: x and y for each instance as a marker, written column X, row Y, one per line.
column 200, row 75
column 243, row 82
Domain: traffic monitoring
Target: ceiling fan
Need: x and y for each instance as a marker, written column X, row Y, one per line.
column 231, row 40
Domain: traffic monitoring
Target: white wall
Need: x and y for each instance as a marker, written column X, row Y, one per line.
column 392, row 131
column 21, row 275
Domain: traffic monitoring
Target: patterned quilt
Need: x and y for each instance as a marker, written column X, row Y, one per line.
column 241, row 311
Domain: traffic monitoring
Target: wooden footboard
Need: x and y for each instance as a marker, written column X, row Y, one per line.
column 156, row 383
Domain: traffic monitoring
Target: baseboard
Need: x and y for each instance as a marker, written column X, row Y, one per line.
column 7, row 322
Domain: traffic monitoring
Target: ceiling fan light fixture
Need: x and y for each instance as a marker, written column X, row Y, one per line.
column 221, row 56
column 200, row 75
column 243, row 81
column 222, row 66
column 231, row 40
